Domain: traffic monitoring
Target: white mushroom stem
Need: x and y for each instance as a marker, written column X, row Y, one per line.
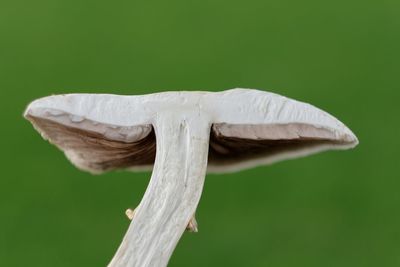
column 173, row 192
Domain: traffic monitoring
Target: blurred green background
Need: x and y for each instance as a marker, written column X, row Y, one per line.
column 331, row 209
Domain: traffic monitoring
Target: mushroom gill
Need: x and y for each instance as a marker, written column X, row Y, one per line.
column 93, row 151
column 236, row 147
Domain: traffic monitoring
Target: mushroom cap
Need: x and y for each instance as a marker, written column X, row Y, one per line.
column 101, row 132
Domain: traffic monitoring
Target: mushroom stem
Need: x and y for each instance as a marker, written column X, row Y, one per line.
column 172, row 195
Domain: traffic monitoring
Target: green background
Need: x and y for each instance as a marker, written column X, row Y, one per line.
column 331, row 209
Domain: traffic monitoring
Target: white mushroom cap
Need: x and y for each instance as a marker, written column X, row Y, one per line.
column 100, row 132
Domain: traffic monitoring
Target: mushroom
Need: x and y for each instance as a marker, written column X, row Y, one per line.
column 181, row 135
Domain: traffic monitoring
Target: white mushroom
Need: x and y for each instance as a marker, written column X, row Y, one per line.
column 178, row 133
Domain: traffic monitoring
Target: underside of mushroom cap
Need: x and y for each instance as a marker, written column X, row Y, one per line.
column 97, row 151
column 238, row 147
